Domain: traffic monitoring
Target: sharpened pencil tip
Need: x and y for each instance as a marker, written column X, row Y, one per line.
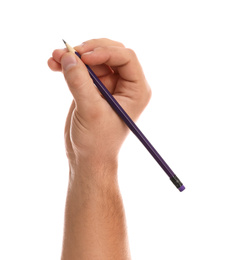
column 64, row 41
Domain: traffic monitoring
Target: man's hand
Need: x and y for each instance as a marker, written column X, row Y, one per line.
column 93, row 130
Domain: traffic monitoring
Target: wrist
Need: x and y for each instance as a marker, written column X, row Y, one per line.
column 93, row 169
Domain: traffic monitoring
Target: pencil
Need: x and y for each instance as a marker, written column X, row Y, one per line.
column 129, row 122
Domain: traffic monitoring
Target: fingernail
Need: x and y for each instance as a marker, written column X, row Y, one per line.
column 88, row 53
column 68, row 61
column 81, row 45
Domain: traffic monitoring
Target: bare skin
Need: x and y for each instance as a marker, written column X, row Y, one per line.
column 95, row 224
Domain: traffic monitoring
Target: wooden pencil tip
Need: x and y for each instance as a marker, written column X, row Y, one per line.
column 64, row 41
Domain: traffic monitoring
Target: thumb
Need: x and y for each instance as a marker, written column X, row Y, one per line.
column 79, row 82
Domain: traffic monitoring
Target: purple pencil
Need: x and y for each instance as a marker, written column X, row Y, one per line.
column 132, row 126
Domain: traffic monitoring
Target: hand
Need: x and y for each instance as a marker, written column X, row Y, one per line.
column 93, row 130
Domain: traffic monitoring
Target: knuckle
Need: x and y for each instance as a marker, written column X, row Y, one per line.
column 73, row 82
column 112, row 42
column 104, row 39
column 91, row 42
column 131, row 52
column 95, row 40
column 77, row 83
column 120, row 44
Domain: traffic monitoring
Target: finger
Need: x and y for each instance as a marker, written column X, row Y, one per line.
column 80, row 83
column 55, row 60
column 94, row 43
column 122, row 59
column 53, row 65
column 58, row 53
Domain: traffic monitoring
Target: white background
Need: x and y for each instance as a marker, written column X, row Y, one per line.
column 185, row 48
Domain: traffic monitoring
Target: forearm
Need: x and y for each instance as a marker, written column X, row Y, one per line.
column 95, row 224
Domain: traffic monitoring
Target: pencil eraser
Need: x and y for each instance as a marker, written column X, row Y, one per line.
column 182, row 188
column 179, row 185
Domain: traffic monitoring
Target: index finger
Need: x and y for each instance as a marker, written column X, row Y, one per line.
column 90, row 45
